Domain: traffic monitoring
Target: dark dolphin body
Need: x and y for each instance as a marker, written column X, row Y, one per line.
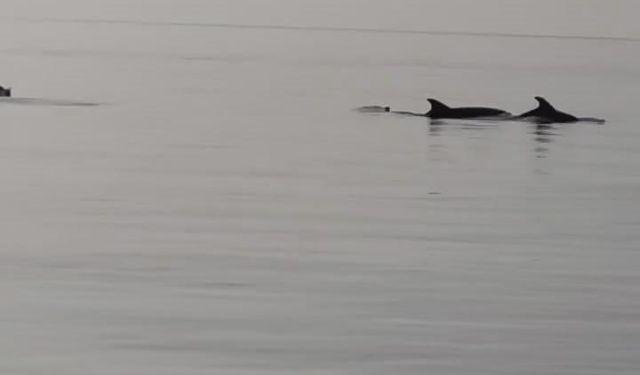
column 440, row 110
column 5, row 92
column 545, row 113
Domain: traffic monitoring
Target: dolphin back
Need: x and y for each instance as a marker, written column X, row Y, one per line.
column 546, row 113
column 440, row 110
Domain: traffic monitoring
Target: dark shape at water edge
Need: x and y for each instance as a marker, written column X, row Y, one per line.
column 545, row 113
column 374, row 109
column 440, row 110
column 5, row 92
column 45, row 102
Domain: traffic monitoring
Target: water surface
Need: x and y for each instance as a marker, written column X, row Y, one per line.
column 223, row 209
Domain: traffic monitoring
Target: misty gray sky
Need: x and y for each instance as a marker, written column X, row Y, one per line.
column 616, row 18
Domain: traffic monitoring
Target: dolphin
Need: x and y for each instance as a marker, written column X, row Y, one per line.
column 440, row 110
column 545, row 113
column 5, row 92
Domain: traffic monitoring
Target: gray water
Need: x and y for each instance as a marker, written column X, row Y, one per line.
column 186, row 189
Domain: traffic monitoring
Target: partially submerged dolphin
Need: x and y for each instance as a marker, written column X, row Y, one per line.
column 545, row 113
column 440, row 110
column 5, row 92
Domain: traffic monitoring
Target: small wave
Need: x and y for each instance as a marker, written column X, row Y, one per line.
column 373, row 109
column 47, row 102
column 145, row 23
column 594, row 120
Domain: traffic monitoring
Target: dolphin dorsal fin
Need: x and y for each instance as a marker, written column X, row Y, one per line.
column 437, row 106
column 544, row 104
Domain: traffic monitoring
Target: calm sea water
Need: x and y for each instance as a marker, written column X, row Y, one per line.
column 190, row 197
